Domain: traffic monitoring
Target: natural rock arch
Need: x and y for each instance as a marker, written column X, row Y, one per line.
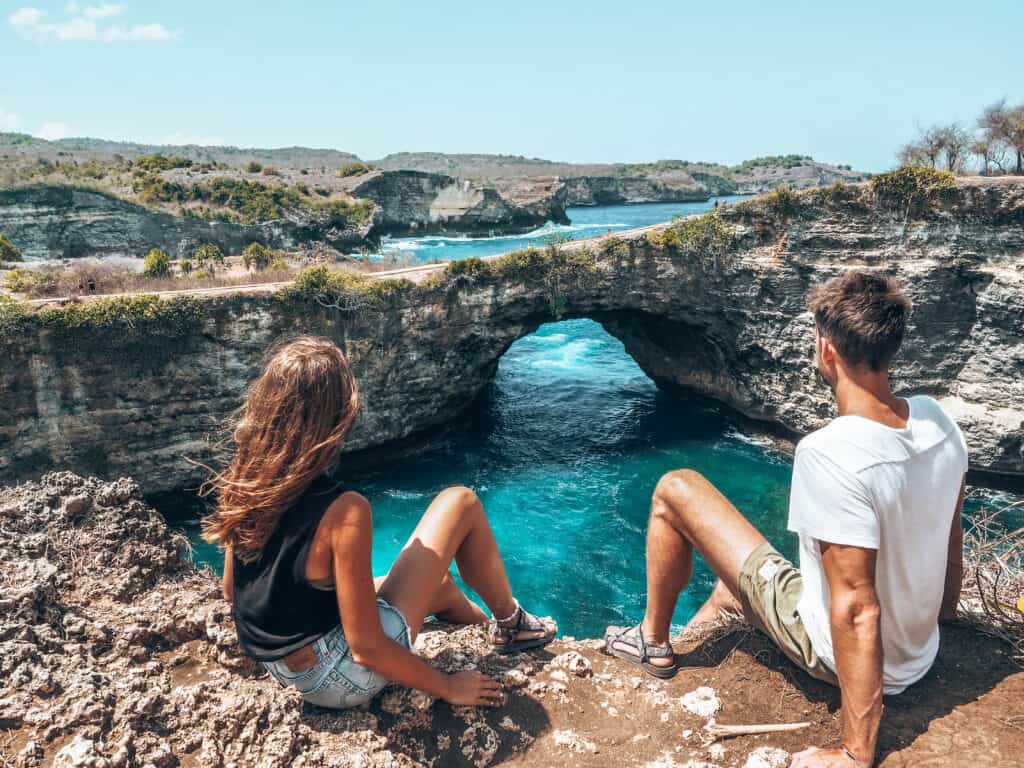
column 720, row 316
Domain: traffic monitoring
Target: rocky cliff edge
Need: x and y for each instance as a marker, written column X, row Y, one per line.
column 116, row 651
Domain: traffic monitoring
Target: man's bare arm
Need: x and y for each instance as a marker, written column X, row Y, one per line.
column 954, row 562
column 857, row 640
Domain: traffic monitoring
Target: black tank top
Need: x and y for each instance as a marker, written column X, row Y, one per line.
column 277, row 611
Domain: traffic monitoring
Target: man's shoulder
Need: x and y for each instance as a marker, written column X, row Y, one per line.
column 852, row 444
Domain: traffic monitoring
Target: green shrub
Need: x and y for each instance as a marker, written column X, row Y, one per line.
column 186, row 266
column 269, row 170
column 344, row 291
column 322, row 191
column 471, row 268
column 911, row 188
column 157, row 263
column 347, row 214
column 781, row 201
column 257, row 257
column 203, row 274
column 8, row 251
column 155, row 189
column 355, row 169
column 279, row 263
column 254, row 167
column 150, row 164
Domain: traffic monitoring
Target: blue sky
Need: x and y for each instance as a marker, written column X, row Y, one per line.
column 846, row 82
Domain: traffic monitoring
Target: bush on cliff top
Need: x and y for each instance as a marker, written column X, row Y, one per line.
column 8, row 250
column 341, row 290
column 157, row 163
column 355, row 169
column 708, row 234
column 911, row 188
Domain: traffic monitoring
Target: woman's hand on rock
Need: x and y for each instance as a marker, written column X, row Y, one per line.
column 473, row 689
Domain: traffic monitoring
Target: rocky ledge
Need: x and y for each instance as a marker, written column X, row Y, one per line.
column 116, row 651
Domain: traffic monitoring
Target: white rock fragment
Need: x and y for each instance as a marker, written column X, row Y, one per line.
column 575, row 742
column 767, row 757
column 716, row 752
column 703, row 702
column 687, row 734
column 560, row 676
column 576, row 663
column 78, row 752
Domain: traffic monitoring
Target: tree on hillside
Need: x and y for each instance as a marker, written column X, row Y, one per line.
column 952, row 141
column 8, row 250
column 208, row 256
column 1003, row 126
column 157, row 263
column 989, row 153
column 257, row 256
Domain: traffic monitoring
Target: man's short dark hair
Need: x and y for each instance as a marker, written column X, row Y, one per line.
column 863, row 314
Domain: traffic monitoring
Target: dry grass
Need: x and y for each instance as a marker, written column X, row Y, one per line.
column 994, row 578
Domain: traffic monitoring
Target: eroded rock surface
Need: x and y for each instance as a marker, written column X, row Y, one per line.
column 115, row 652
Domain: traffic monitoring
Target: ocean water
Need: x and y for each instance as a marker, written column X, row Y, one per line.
column 565, row 448
column 585, row 222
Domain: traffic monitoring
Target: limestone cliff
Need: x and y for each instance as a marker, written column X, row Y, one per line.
column 417, row 203
column 674, row 186
column 711, row 304
column 48, row 222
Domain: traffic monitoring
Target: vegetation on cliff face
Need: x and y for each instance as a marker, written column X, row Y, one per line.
column 143, row 314
column 707, row 234
column 248, row 202
column 8, row 251
column 909, row 190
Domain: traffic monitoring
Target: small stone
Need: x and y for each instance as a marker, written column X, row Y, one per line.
column 767, row 757
column 575, row 742
column 716, row 751
column 703, row 702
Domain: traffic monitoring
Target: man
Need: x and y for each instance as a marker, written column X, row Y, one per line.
column 875, row 500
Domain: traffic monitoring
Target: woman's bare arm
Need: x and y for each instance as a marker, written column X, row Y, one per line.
column 350, row 529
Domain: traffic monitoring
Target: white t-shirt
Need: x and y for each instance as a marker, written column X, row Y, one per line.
column 859, row 483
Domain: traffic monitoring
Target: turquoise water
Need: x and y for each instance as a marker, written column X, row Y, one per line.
column 585, row 222
column 565, row 448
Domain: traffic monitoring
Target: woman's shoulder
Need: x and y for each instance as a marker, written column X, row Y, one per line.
column 348, row 507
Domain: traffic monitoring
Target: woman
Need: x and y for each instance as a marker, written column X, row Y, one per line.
column 297, row 551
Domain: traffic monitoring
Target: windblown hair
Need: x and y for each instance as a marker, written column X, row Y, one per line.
column 289, row 432
column 864, row 315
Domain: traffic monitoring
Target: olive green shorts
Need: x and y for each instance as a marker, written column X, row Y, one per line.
column 770, row 588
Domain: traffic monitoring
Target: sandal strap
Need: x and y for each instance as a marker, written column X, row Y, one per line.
column 526, row 622
column 634, row 638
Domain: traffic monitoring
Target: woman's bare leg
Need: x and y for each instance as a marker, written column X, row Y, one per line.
column 419, row 584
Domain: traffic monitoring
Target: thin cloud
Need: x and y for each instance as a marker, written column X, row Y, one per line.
column 53, row 131
column 86, row 23
column 185, row 139
column 97, row 12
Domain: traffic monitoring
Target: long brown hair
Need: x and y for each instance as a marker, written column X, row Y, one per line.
column 289, row 432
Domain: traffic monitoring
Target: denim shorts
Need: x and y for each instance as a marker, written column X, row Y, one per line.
column 336, row 681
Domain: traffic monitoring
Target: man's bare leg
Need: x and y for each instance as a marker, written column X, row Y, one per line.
column 687, row 513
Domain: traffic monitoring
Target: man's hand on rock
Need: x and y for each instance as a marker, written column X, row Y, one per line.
column 473, row 689
column 826, row 758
